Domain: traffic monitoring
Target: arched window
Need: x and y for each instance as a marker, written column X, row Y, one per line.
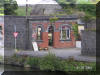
column 64, row 32
column 39, row 33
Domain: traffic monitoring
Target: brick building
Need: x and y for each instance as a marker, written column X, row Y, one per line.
column 39, row 29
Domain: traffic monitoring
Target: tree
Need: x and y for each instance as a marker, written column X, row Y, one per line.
column 1, row 7
column 9, row 6
column 85, row 6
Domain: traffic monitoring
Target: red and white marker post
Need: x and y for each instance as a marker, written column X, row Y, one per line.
column 15, row 34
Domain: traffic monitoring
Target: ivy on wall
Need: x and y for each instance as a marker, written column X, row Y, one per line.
column 75, row 29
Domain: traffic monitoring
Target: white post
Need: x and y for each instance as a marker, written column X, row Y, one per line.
column 15, row 44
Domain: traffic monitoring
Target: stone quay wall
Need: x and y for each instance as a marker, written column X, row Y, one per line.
column 88, row 43
column 9, row 40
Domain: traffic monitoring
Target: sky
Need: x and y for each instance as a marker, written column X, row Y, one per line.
column 21, row 2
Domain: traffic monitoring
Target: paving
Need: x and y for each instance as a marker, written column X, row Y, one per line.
column 61, row 53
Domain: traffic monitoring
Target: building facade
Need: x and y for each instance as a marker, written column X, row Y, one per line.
column 58, row 34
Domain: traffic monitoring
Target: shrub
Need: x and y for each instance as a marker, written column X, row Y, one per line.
column 32, row 61
column 52, row 63
column 75, row 29
column 80, row 66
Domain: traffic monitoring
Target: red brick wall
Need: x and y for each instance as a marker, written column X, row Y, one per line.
column 44, row 44
column 63, row 44
column 56, row 40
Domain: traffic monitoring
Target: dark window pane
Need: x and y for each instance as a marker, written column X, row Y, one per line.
column 68, row 33
column 64, row 34
column 39, row 33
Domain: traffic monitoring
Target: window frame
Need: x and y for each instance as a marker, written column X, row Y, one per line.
column 68, row 37
column 40, row 33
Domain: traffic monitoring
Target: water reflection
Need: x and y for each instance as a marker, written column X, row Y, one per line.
column 48, row 73
column 12, row 70
column 34, row 73
column 15, row 68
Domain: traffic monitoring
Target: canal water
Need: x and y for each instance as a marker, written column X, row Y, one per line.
column 13, row 70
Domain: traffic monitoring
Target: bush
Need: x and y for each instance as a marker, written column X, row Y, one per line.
column 52, row 63
column 75, row 29
column 32, row 61
column 80, row 66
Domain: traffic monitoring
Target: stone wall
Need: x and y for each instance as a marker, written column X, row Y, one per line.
column 91, row 25
column 20, row 22
column 89, row 43
column 25, row 29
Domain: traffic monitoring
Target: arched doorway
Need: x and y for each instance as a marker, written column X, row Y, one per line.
column 50, row 35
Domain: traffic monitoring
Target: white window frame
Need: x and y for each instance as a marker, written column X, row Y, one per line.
column 67, row 38
column 40, row 33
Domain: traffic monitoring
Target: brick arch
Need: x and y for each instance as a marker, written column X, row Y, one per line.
column 49, row 26
column 42, row 27
column 69, row 26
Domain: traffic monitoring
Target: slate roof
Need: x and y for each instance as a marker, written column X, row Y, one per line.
column 65, row 17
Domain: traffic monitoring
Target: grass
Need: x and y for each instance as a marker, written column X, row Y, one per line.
column 21, row 11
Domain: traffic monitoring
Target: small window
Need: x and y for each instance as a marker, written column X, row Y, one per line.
column 39, row 33
column 65, row 33
column 68, row 33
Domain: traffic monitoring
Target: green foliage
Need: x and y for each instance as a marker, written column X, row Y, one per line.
column 32, row 61
column 1, row 8
column 80, row 66
column 89, row 9
column 72, row 6
column 21, row 11
column 19, row 59
column 75, row 29
column 98, row 10
column 52, row 63
column 9, row 7
column 53, row 19
column 66, row 1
